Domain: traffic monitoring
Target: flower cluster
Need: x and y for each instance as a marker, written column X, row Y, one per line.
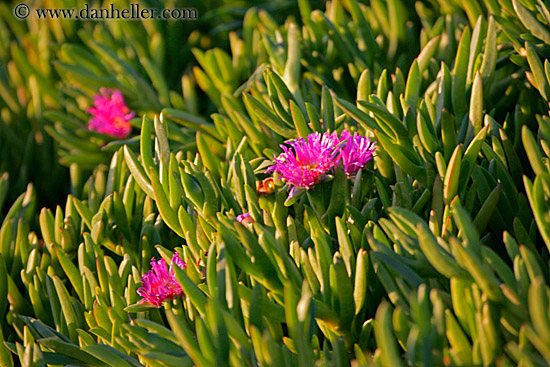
column 160, row 283
column 307, row 160
column 110, row 114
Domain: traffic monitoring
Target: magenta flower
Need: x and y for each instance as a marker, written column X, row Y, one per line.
column 160, row 284
column 356, row 152
column 178, row 261
column 245, row 219
column 307, row 160
column 110, row 114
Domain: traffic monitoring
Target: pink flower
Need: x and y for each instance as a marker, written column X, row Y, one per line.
column 245, row 219
column 307, row 160
column 356, row 152
column 110, row 114
column 160, row 284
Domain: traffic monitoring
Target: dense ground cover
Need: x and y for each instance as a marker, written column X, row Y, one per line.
column 294, row 183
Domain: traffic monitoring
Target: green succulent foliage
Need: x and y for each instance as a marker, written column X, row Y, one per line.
column 27, row 89
column 435, row 253
column 50, row 72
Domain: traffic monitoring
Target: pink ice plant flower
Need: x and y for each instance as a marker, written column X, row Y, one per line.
column 307, row 160
column 356, row 152
column 245, row 219
column 160, row 284
column 110, row 114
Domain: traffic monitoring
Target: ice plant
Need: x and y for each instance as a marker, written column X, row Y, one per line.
column 110, row 114
column 160, row 284
column 356, row 152
column 307, row 160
